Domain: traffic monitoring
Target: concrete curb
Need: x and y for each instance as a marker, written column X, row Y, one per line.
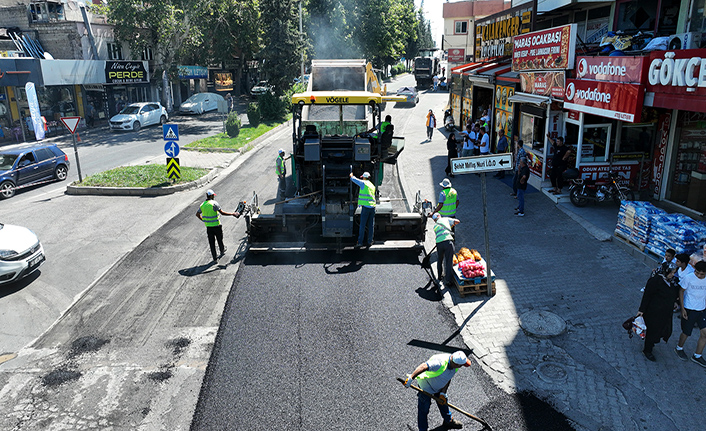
column 162, row 191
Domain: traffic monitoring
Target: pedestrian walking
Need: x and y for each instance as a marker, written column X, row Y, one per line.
column 229, row 100
column 434, row 377
column 210, row 213
column 435, row 79
column 523, row 176
column 444, row 246
column 476, row 142
column 519, row 154
column 656, row 308
column 683, row 269
column 692, row 296
column 502, row 147
column 484, row 142
column 451, row 153
column 448, row 200
column 90, row 115
column 559, row 163
column 281, row 170
column 366, row 200
column 431, row 124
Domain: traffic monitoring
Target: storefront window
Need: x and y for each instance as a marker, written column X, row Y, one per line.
column 635, row 138
column 56, row 102
column 596, row 142
column 532, row 131
column 687, row 180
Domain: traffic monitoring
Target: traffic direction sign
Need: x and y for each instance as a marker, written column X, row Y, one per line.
column 170, row 132
column 478, row 164
column 71, row 123
column 171, row 148
column 173, row 169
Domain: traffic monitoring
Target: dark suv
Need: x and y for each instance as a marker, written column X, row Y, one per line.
column 24, row 166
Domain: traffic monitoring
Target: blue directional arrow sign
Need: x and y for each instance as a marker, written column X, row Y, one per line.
column 171, row 148
column 170, row 132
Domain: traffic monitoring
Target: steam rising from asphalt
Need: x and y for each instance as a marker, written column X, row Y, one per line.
column 328, row 39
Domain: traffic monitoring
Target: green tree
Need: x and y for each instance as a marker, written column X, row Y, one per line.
column 281, row 41
column 330, row 25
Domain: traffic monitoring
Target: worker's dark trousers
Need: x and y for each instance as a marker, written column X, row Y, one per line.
column 282, row 187
column 445, row 254
column 423, row 405
column 367, row 220
column 215, row 233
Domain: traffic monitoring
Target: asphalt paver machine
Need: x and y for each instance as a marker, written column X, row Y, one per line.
column 331, row 141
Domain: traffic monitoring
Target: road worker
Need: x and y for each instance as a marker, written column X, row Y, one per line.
column 366, row 200
column 448, row 200
column 209, row 212
column 434, row 377
column 281, row 170
column 444, row 246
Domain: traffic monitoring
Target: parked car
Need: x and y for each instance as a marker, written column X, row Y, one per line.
column 27, row 165
column 261, row 88
column 200, row 103
column 137, row 115
column 410, row 93
column 21, row 253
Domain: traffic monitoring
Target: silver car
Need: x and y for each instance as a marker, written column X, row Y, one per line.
column 21, row 253
column 200, row 103
column 137, row 115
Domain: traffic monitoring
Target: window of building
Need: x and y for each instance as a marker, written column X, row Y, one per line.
column 115, row 51
column 46, row 11
column 634, row 15
column 698, row 17
column 592, row 25
column 147, row 54
column 461, row 27
column 668, row 17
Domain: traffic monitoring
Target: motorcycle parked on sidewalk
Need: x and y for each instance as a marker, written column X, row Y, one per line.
column 449, row 121
column 581, row 191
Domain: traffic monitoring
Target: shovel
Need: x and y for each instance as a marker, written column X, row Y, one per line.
column 463, row 412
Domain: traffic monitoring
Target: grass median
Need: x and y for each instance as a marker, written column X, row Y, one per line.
column 222, row 141
column 146, row 176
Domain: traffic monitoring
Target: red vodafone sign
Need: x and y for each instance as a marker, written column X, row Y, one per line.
column 615, row 100
column 612, row 69
column 678, row 79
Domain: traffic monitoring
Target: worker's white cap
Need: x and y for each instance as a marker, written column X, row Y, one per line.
column 435, row 217
column 446, row 183
column 460, row 358
column 210, row 192
column 365, row 175
column 281, row 151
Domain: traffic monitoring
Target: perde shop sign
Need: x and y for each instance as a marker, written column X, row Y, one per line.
column 126, row 72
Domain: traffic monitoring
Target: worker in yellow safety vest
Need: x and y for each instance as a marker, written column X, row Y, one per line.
column 448, row 200
column 444, row 246
column 434, row 377
column 210, row 213
column 366, row 200
column 281, row 170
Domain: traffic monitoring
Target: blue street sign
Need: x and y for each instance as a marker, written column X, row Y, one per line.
column 170, row 132
column 171, row 148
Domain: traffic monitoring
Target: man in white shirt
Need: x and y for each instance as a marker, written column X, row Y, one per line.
column 484, row 142
column 692, row 296
column 436, row 82
column 469, row 137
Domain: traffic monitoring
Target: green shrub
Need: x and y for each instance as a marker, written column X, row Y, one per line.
column 287, row 98
column 271, row 107
column 397, row 69
column 233, row 124
column 254, row 116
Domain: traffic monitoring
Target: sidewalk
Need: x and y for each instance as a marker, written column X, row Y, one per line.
column 557, row 259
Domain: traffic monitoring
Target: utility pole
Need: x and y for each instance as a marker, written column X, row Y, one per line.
column 301, row 38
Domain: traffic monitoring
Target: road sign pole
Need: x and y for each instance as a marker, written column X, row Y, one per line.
column 488, row 274
column 78, row 163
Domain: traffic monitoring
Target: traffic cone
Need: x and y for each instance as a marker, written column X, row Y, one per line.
column 78, row 137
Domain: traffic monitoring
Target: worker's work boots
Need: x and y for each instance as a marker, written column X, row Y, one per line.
column 453, row 424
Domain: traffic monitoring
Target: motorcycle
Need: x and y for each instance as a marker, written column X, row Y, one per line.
column 449, row 121
column 581, row 192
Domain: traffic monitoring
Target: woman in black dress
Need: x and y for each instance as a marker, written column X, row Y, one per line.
column 656, row 308
column 451, row 147
column 559, row 163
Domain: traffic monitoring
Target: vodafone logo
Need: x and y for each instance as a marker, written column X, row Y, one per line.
column 455, row 51
column 583, row 67
column 570, row 91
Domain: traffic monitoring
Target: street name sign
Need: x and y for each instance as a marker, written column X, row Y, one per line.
column 478, row 164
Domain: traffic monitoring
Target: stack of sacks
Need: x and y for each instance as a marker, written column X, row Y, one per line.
column 676, row 231
column 635, row 219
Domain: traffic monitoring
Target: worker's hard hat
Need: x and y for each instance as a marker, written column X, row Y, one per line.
column 435, row 216
column 460, row 358
column 281, row 151
column 210, row 192
column 365, row 175
column 446, row 183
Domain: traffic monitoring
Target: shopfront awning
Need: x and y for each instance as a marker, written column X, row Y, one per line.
column 529, row 98
column 465, row 67
column 508, row 76
column 488, row 74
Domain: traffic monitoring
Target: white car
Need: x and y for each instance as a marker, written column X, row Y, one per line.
column 137, row 115
column 21, row 253
column 200, row 103
column 261, row 88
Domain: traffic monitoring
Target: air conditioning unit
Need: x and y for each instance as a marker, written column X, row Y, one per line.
column 690, row 40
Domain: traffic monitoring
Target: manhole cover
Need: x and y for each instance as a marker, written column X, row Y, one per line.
column 551, row 372
column 542, row 324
